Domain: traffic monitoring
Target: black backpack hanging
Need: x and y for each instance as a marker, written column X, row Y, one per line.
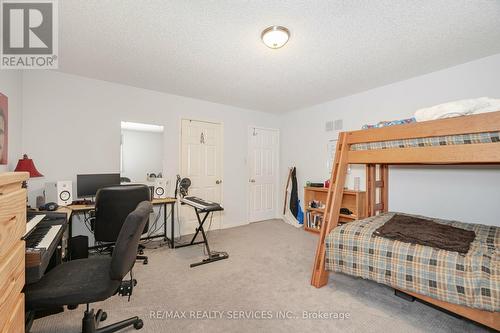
column 294, row 198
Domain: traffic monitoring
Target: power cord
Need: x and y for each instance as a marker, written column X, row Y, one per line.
column 86, row 222
column 178, row 220
column 154, row 227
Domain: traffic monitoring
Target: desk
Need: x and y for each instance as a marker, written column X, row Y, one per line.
column 78, row 209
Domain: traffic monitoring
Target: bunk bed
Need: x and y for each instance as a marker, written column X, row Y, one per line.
column 473, row 139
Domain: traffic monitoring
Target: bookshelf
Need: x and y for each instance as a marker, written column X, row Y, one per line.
column 355, row 201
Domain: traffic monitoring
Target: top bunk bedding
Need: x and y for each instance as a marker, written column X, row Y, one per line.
column 471, row 279
column 461, row 139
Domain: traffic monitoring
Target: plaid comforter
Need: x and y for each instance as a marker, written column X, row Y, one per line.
column 472, row 279
column 461, row 139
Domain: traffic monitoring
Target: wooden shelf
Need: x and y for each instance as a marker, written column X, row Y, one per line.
column 352, row 200
column 325, row 189
column 322, row 210
column 314, row 230
column 316, row 189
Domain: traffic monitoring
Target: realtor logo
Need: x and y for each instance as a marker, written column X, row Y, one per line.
column 29, row 34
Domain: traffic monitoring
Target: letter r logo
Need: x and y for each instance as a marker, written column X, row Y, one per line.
column 27, row 28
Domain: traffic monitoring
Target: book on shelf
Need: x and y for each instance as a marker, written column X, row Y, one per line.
column 314, row 220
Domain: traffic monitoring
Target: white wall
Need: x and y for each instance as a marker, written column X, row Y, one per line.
column 11, row 86
column 87, row 115
column 466, row 193
column 71, row 125
column 142, row 153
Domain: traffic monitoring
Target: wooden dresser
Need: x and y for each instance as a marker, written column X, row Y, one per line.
column 12, row 228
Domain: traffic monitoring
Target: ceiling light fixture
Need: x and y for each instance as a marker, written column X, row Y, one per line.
column 275, row 36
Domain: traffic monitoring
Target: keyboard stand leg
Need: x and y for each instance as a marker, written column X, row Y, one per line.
column 212, row 256
column 200, row 223
column 200, row 228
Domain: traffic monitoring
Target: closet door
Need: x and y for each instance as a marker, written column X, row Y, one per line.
column 263, row 147
column 201, row 161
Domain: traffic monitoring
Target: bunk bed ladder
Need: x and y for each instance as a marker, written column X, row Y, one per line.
column 332, row 210
column 377, row 188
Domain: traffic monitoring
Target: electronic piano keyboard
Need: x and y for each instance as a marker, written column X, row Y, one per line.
column 201, row 204
column 44, row 233
column 42, row 237
column 32, row 222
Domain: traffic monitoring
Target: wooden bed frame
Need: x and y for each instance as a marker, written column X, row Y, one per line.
column 377, row 173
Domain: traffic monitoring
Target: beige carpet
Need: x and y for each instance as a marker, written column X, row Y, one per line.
column 267, row 274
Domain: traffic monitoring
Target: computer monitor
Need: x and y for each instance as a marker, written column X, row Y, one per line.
column 87, row 185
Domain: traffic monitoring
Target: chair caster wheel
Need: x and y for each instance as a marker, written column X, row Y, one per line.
column 72, row 307
column 141, row 252
column 145, row 262
column 104, row 316
column 138, row 324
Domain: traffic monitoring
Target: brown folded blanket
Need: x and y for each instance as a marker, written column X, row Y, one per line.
column 410, row 229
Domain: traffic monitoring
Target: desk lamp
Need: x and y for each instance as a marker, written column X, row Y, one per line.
column 26, row 164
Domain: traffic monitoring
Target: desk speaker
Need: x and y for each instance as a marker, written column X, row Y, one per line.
column 60, row 192
column 160, row 189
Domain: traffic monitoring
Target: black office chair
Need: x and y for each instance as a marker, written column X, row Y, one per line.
column 112, row 205
column 95, row 279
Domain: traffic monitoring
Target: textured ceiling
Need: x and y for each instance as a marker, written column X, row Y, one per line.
column 212, row 50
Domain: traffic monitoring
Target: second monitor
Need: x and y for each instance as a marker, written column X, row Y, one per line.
column 88, row 185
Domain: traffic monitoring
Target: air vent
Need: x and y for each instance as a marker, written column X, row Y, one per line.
column 329, row 126
column 338, row 124
column 334, row 125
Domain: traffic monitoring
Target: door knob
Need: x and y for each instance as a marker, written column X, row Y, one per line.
column 252, row 180
column 218, row 181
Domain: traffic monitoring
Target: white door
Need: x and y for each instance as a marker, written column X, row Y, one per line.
column 201, row 161
column 263, row 147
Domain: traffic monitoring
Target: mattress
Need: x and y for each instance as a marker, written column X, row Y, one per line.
column 462, row 139
column 471, row 280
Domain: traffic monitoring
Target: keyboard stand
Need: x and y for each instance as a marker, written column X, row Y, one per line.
column 212, row 255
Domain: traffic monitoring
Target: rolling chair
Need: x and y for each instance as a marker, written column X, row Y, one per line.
column 95, row 279
column 112, row 205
